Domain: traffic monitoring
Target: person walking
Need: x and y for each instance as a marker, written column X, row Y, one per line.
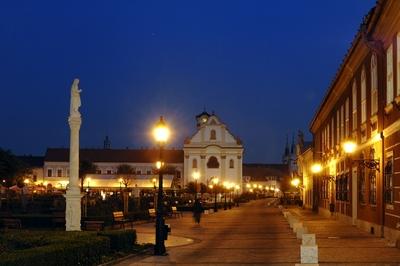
column 197, row 211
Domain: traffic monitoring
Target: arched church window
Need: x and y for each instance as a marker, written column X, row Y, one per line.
column 231, row 163
column 194, row 163
column 213, row 162
column 213, row 135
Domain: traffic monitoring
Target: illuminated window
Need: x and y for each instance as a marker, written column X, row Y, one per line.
column 389, row 180
column 194, row 163
column 374, row 85
column 49, row 172
column 389, row 75
column 363, row 97
column 59, row 172
column 361, row 183
column 354, row 100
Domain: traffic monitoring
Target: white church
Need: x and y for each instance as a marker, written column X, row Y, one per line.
column 213, row 152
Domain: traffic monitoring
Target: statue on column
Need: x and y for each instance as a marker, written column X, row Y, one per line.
column 75, row 99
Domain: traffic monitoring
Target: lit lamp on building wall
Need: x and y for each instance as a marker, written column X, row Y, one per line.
column 349, row 147
column 161, row 135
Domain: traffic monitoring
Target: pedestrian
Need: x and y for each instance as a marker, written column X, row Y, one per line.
column 197, row 210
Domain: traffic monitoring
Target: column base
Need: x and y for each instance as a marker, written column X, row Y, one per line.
column 73, row 210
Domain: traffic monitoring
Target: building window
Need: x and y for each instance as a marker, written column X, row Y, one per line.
column 59, row 172
column 389, row 75
column 347, row 118
column 361, row 179
column 194, row 163
column 354, row 99
column 213, row 135
column 374, row 85
column 49, row 172
column 138, row 172
column 389, row 180
column 148, row 172
column 372, row 187
column 346, row 188
column 231, row 164
column 213, row 162
column 337, row 127
column 98, row 172
column 342, row 122
column 109, row 172
column 363, row 97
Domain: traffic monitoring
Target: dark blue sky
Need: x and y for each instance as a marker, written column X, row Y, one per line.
column 263, row 66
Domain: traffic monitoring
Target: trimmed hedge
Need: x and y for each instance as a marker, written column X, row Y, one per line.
column 121, row 239
column 60, row 248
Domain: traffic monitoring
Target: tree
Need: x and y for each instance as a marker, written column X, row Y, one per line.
column 86, row 168
column 12, row 170
column 126, row 173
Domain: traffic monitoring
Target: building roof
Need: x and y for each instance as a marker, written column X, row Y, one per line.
column 258, row 172
column 115, row 155
column 366, row 27
column 32, row 161
column 306, row 146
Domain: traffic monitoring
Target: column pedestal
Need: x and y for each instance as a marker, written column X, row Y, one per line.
column 73, row 210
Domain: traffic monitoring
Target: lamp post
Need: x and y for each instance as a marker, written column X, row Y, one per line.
column 316, row 169
column 161, row 134
column 87, row 195
column 237, row 187
column 154, row 180
column 215, row 181
column 196, row 176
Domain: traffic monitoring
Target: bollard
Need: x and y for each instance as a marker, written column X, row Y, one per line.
column 296, row 226
column 300, row 232
column 308, row 250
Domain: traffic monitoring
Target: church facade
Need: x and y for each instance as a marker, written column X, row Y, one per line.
column 213, row 152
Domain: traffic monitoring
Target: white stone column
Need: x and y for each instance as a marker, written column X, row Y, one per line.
column 73, row 194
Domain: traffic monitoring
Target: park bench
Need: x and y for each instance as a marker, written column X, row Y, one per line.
column 120, row 219
column 175, row 212
column 10, row 223
column 94, row 225
column 58, row 219
column 152, row 213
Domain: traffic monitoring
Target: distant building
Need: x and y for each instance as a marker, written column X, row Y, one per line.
column 56, row 166
column 35, row 163
column 213, row 152
column 265, row 177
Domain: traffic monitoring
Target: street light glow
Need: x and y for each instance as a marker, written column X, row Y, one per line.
column 196, row 175
column 316, row 168
column 161, row 132
column 349, row 147
column 295, row 182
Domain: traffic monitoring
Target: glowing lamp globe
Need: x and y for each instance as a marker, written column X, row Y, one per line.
column 349, row 147
column 161, row 132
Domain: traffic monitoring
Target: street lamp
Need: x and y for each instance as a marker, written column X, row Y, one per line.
column 349, row 147
column 196, row 176
column 161, row 135
column 215, row 181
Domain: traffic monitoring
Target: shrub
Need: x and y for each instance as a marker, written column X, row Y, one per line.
column 121, row 239
column 62, row 248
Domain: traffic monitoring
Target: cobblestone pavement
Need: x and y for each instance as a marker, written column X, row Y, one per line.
column 252, row 234
column 343, row 244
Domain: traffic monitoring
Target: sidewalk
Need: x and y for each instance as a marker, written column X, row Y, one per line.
column 253, row 234
column 343, row 244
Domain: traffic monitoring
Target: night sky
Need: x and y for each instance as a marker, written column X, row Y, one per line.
column 262, row 66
